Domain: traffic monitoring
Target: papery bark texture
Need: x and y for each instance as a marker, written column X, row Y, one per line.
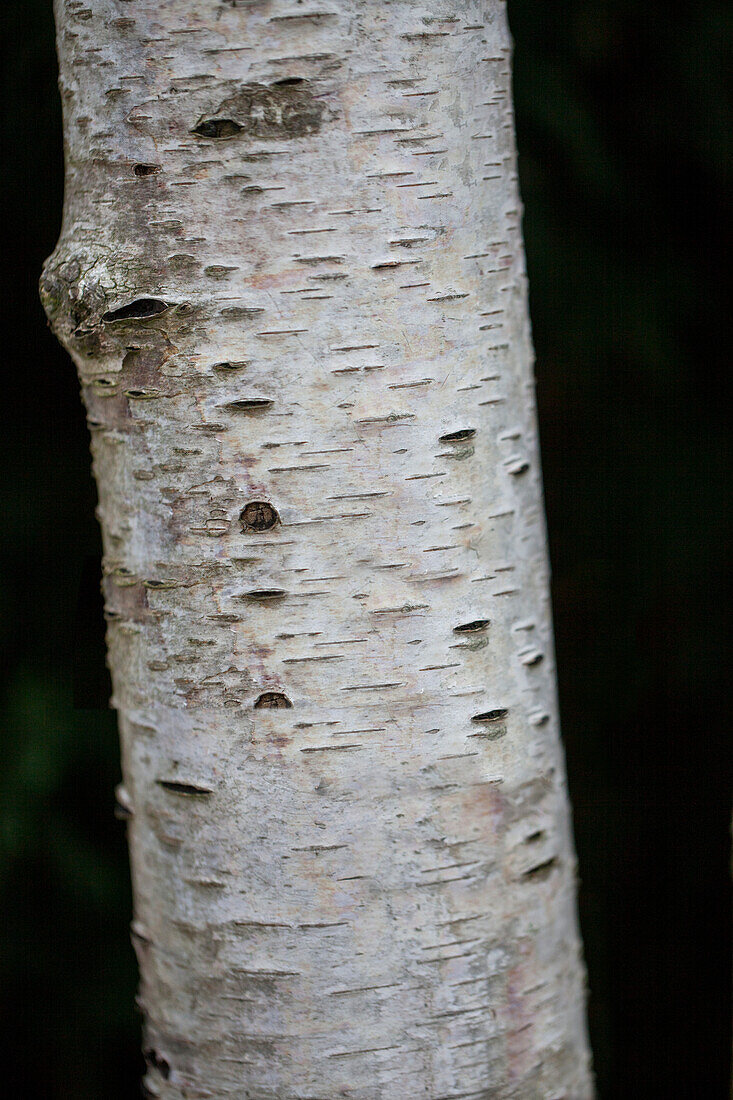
column 290, row 275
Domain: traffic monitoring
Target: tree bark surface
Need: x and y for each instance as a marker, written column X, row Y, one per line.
column 290, row 275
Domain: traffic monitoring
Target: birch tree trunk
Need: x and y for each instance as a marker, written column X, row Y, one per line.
column 290, row 275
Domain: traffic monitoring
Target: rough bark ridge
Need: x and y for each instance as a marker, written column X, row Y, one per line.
column 290, row 275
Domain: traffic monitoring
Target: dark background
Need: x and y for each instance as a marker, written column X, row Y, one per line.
column 625, row 126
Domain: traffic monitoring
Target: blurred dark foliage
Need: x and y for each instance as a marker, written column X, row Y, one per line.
column 625, row 127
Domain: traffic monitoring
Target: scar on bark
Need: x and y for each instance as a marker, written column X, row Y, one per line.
column 138, row 310
column 491, row 715
column 249, row 404
column 175, row 786
column 272, row 700
column 258, row 515
column 458, row 437
column 286, row 108
column 264, row 594
column 227, row 367
column 217, row 128
column 473, row 627
column 493, row 723
column 541, row 871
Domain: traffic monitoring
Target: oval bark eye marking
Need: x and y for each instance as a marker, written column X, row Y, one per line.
column 146, row 169
column 258, row 515
column 473, row 627
column 457, row 437
column 491, row 715
column 138, row 310
column 272, row 700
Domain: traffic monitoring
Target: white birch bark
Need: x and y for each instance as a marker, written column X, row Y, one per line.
column 290, row 275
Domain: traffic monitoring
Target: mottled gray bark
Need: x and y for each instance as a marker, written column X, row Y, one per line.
column 290, row 274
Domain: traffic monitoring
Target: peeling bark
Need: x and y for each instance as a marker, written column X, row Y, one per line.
column 290, row 275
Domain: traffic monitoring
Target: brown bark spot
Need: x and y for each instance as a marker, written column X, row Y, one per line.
column 272, row 700
column 141, row 369
column 258, row 515
column 126, row 602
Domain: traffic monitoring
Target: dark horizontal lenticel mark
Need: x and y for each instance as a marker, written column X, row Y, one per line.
column 138, row 310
